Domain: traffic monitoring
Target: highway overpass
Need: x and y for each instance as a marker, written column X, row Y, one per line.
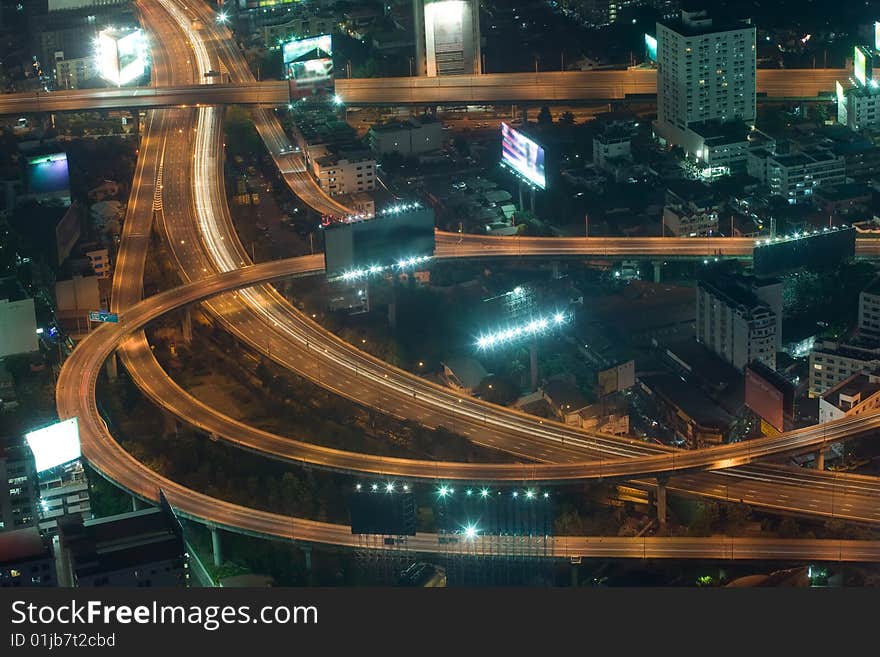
column 102, row 450
column 568, row 86
column 272, row 93
column 454, row 90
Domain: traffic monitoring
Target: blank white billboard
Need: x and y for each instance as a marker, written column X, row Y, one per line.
column 55, row 445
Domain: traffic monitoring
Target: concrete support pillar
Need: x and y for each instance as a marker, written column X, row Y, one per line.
column 574, row 575
column 525, row 114
column 521, row 206
column 307, row 553
column 657, row 267
column 820, row 459
column 216, row 547
column 187, row 327
column 532, row 206
column 533, row 365
column 661, row 502
column 112, row 367
column 136, row 504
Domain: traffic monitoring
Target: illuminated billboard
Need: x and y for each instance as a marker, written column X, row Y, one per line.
column 523, row 155
column 651, row 47
column 308, row 63
column 444, row 37
column 841, row 103
column 55, row 445
column 877, row 35
column 861, row 65
column 398, row 237
column 121, row 55
column 48, row 177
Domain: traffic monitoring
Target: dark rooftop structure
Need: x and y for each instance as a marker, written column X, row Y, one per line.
column 695, row 22
column 143, row 548
column 22, row 545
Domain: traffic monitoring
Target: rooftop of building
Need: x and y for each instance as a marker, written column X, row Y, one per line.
column 843, row 192
column 695, row 403
column 121, row 541
column 22, row 545
column 343, row 155
column 721, row 132
column 700, row 23
column 414, row 122
column 468, row 370
column 861, row 384
column 735, row 290
column 565, row 395
column 858, row 349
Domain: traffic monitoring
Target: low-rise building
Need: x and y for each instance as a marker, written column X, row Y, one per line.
column 464, row 374
column 141, row 548
column 691, row 210
column 26, row 559
column 696, row 418
column 99, row 260
column 843, row 199
column 416, row 135
column 74, row 72
column 796, row 176
column 855, row 395
column 833, row 362
column 614, row 144
column 300, row 24
column 565, row 399
column 859, row 107
column 343, row 171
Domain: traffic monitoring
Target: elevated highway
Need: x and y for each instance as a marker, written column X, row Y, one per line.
column 203, row 170
column 568, row 86
column 272, row 93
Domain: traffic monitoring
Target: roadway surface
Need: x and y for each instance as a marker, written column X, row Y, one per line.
column 272, row 93
column 497, row 87
column 559, row 86
column 207, row 141
column 76, row 397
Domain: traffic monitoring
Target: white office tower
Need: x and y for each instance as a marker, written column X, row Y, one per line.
column 705, row 75
column 447, row 37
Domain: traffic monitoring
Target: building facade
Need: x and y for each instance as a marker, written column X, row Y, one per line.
column 26, row 559
column 417, row 135
column 736, row 324
column 795, row 176
column 74, row 72
column 20, row 488
column 138, row 549
column 705, row 72
column 833, row 362
column 343, row 172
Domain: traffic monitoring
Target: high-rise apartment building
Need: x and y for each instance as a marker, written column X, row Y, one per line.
column 447, row 37
column 705, row 75
column 20, row 490
column 740, row 319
